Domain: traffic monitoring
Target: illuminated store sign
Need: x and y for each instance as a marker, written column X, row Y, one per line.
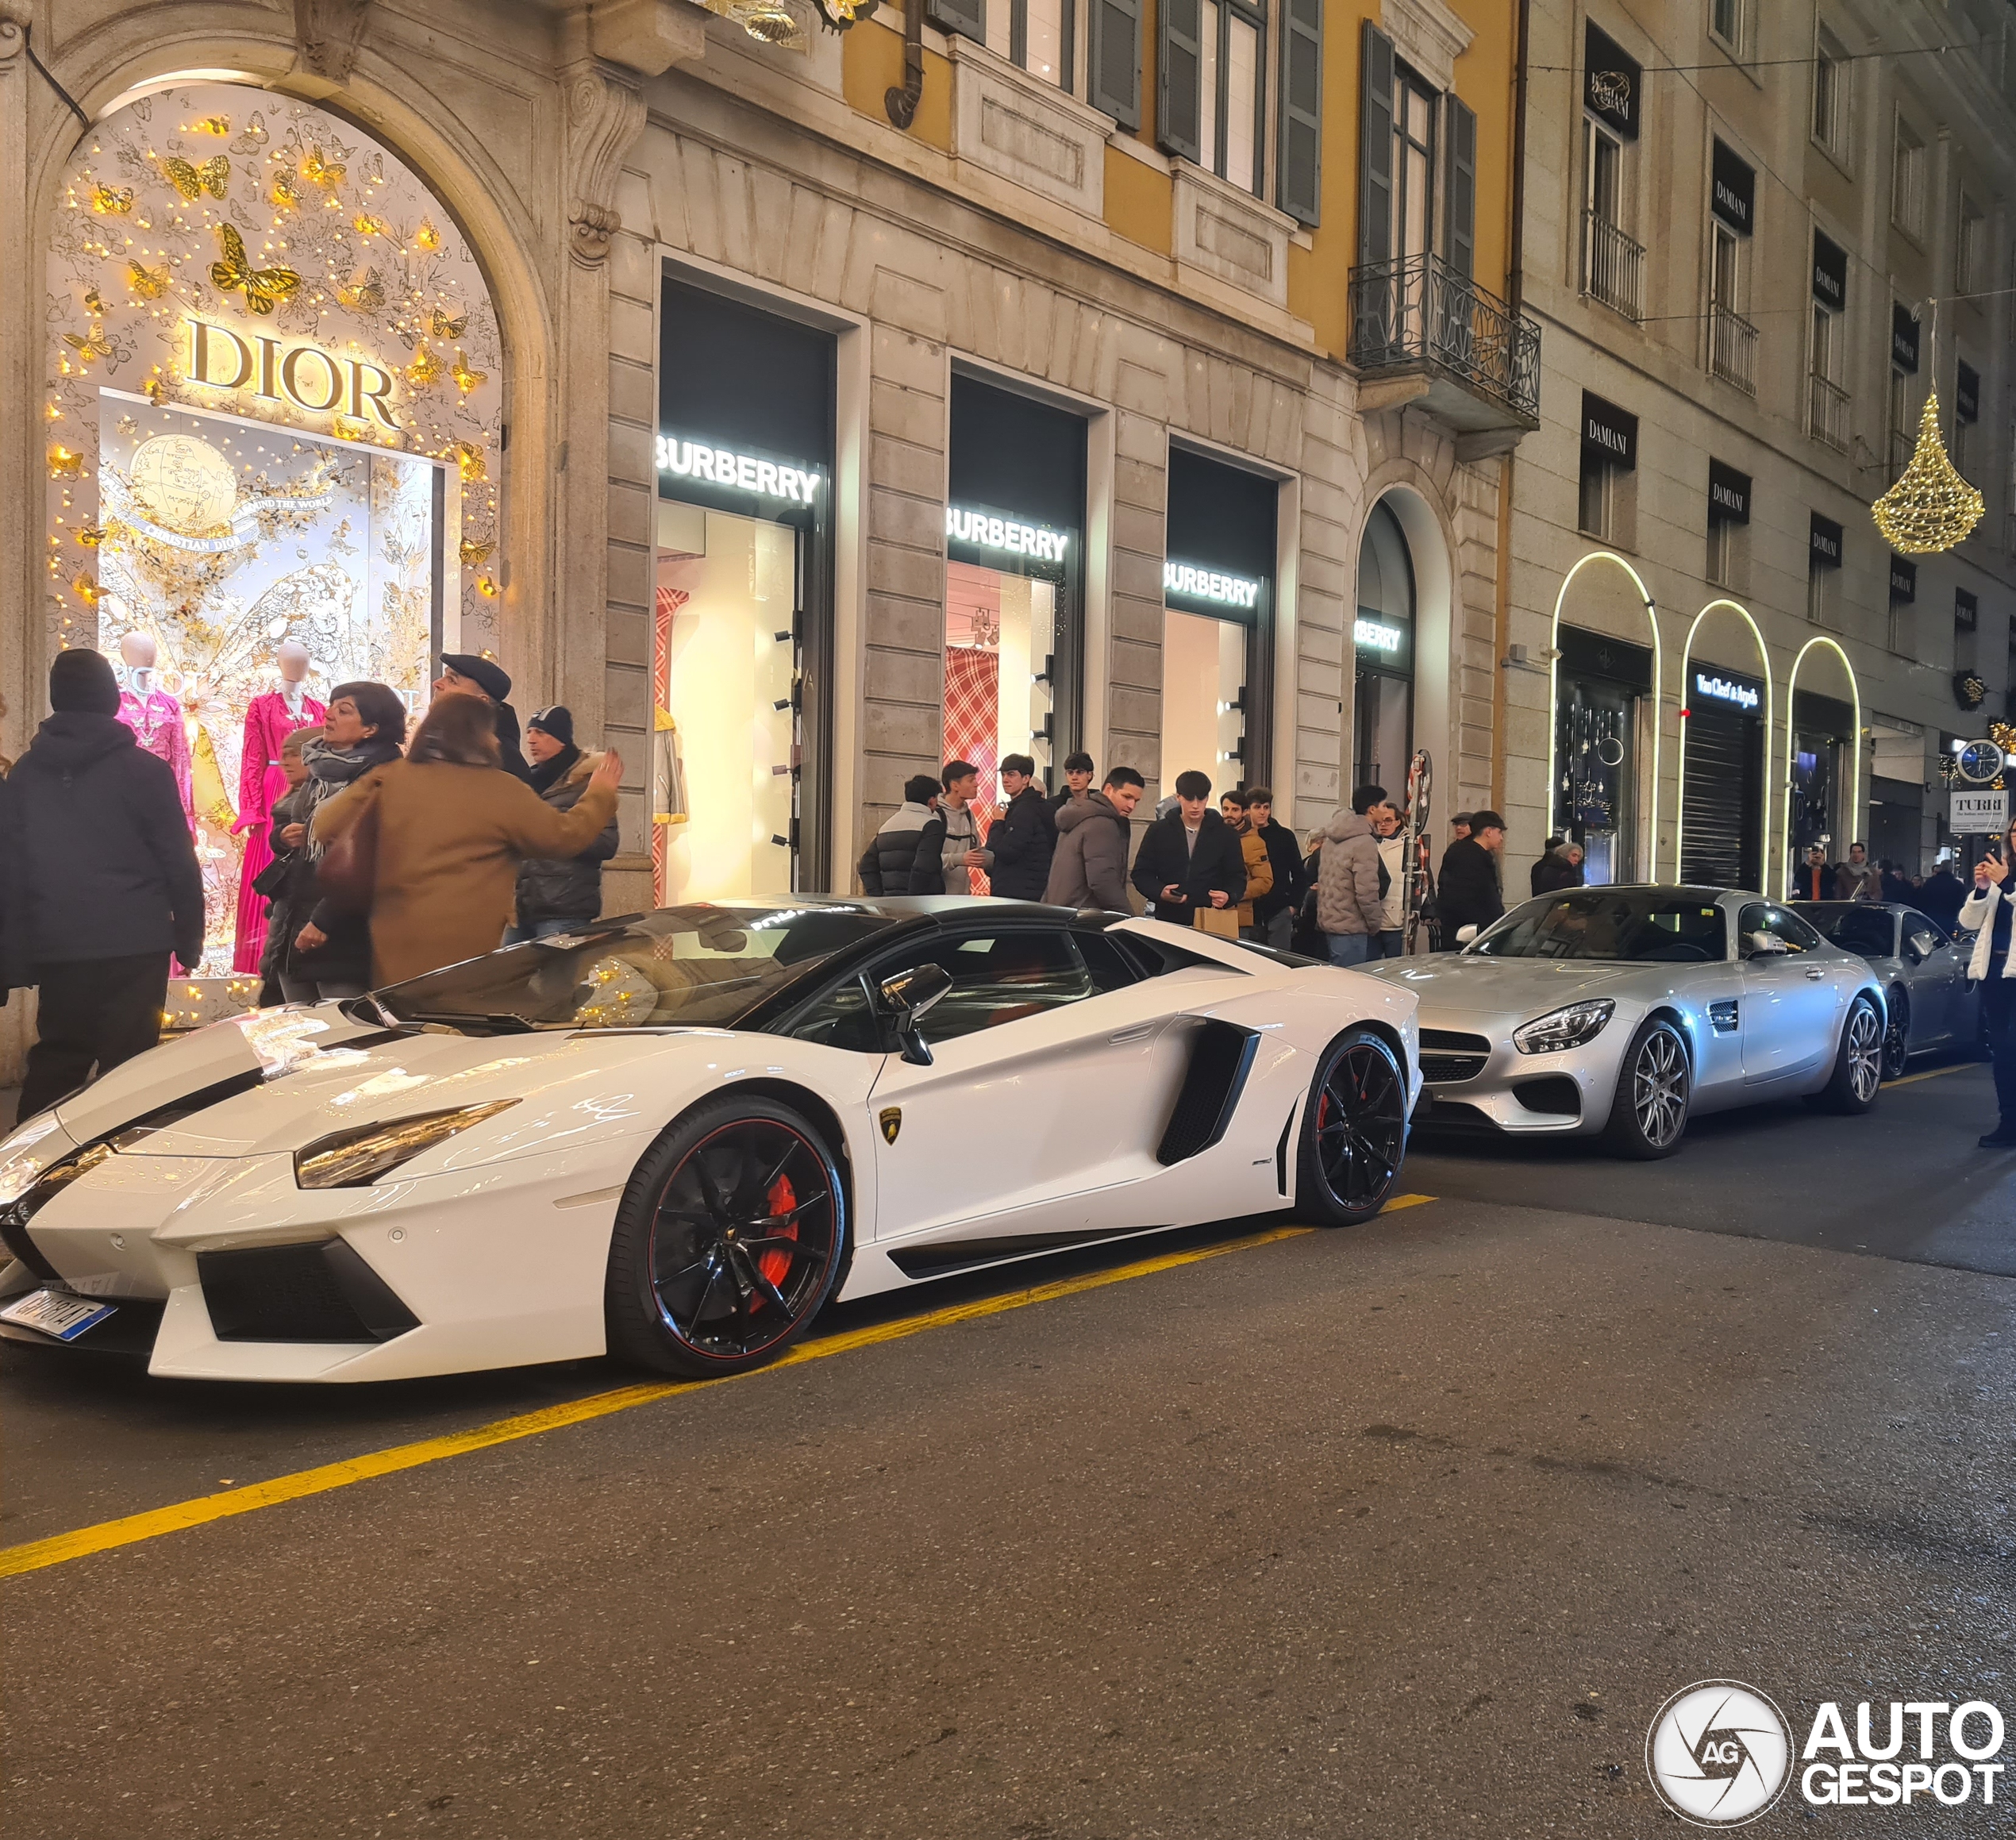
column 741, row 472
column 989, row 532
column 1376, row 636
column 303, row 374
column 1209, row 584
column 1725, row 690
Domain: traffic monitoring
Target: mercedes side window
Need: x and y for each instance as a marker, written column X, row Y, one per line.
column 1768, row 931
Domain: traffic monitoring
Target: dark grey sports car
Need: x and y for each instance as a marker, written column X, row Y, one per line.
column 1928, row 1002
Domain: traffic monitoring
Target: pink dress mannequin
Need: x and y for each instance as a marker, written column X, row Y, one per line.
column 154, row 716
column 269, row 719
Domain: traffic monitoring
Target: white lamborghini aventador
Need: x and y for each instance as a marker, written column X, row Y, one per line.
column 672, row 1137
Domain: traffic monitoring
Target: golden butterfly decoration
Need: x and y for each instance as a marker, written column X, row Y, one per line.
column 363, row 295
column 254, row 136
column 473, row 554
column 148, row 284
column 465, row 379
column 95, row 301
column 427, row 236
column 285, row 194
column 64, row 465
column 469, row 460
column 90, row 536
column 318, row 171
column 367, row 225
column 445, row 328
column 107, row 199
column 89, row 345
column 86, row 589
column 213, row 176
column 263, row 288
column 219, row 125
column 425, row 370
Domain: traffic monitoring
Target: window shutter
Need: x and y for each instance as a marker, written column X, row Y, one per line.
column 1376, row 149
column 966, row 18
column 1178, row 78
column 1463, row 188
column 1302, row 108
column 1115, row 26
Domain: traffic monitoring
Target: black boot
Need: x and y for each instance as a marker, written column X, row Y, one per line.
column 2002, row 1137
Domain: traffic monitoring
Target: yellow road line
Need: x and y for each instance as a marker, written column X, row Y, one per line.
column 58, row 1548
column 1929, row 1073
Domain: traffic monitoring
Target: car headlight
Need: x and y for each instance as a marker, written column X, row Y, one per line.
column 20, row 1166
column 1568, row 1028
column 356, row 1159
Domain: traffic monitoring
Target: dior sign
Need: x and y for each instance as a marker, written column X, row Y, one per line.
column 278, row 370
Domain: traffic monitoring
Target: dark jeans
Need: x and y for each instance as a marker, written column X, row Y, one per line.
column 91, row 1011
column 1386, row 944
column 1999, row 1004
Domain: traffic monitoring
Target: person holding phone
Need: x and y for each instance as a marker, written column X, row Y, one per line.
column 1988, row 912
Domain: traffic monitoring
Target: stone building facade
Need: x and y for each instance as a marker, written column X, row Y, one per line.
column 1211, row 307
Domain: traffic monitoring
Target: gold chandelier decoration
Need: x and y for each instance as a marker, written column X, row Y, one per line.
column 1931, row 507
column 768, row 20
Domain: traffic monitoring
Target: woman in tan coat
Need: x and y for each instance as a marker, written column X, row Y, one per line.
column 452, row 832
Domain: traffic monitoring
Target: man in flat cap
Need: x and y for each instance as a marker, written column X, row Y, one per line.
column 466, row 674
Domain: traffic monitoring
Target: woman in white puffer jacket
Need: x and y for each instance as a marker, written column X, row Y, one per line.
column 1988, row 912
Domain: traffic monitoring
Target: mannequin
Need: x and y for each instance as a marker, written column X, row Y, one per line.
column 270, row 718
column 152, row 714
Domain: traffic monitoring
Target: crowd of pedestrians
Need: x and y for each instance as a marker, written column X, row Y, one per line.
column 393, row 855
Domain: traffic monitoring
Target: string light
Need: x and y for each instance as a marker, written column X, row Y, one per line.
column 1931, row 508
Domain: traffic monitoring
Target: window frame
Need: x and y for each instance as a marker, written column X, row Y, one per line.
column 1736, row 43
column 1018, row 52
column 1835, row 137
column 1597, row 476
column 1214, row 109
column 1970, row 246
column 1897, row 419
column 1908, row 161
column 1406, row 78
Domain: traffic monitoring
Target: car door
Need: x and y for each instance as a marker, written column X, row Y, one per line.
column 1052, row 1074
column 1937, row 977
column 1790, row 1002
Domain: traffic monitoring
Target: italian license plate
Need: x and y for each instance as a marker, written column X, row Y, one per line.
column 56, row 1313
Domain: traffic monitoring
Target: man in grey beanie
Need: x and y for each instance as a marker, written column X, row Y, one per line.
column 99, row 881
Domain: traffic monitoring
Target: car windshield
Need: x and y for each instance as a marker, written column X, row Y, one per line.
column 1867, row 931
column 1633, row 926
column 704, row 965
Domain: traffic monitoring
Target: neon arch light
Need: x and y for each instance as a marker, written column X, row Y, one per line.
column 1853, row 812
column 1553, row 676
column 1763, row 793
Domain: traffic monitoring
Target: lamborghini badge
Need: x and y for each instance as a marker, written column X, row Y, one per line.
column 892, row 1122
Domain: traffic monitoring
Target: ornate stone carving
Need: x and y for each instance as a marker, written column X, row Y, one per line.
column 605, row 115
column 16, row 16
column 325, row 35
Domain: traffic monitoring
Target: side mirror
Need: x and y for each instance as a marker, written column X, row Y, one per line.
column 910, row 995
column 1465, row 934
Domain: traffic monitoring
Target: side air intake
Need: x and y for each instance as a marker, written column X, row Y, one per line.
column 1221, row 1057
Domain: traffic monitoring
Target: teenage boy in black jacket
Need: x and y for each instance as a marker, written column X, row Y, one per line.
column 1190, row 858
column 1274, row 912
column 1024, row 837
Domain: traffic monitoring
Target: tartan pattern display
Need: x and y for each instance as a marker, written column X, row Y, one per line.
column 972, row 716
column 667, row 602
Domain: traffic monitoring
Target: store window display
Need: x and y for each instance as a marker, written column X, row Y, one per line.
column 274, row 449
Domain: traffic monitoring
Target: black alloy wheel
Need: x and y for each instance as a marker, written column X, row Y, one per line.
column 728, row 1241
column 1648, row 1115
column 1896, row 1032
column 1354, row 1131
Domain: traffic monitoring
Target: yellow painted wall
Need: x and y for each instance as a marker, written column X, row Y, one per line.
column 1138, row 203
column 871, row 64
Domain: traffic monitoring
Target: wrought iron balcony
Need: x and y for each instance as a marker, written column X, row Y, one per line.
column 1613, row 266
column 1733, row 348
column 1827, row 412
column 1478, row 362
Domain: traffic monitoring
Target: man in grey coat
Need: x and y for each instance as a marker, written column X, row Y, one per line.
column 1089, row 868
column 1350, row 908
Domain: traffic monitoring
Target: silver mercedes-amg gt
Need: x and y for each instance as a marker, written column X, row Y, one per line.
column 1622, row 1011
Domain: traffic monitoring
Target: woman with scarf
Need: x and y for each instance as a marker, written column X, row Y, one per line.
column 1986, row 914
column 329, row 955
column 557, row 894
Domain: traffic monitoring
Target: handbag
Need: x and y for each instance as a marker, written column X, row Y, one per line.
column 272, row 881
column 346, row 876
column 1220, row 922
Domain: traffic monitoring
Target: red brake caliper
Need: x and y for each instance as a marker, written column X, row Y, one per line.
column 782, row 1197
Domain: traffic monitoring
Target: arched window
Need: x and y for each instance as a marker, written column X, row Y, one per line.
column 1383, row 723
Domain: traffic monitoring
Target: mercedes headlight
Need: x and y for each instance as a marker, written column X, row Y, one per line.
column 1568, row 1028
column 356, row 1159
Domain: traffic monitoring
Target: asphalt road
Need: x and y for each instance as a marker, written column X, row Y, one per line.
column 1405, row 1531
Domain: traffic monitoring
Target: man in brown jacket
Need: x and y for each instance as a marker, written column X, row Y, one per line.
column 1350, row 908
column 1235, row 810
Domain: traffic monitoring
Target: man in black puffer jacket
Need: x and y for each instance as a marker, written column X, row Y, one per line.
column 885, row 865
column 1024, row 837
column 99, row 883
column 559, row 894
column 1189, row 858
